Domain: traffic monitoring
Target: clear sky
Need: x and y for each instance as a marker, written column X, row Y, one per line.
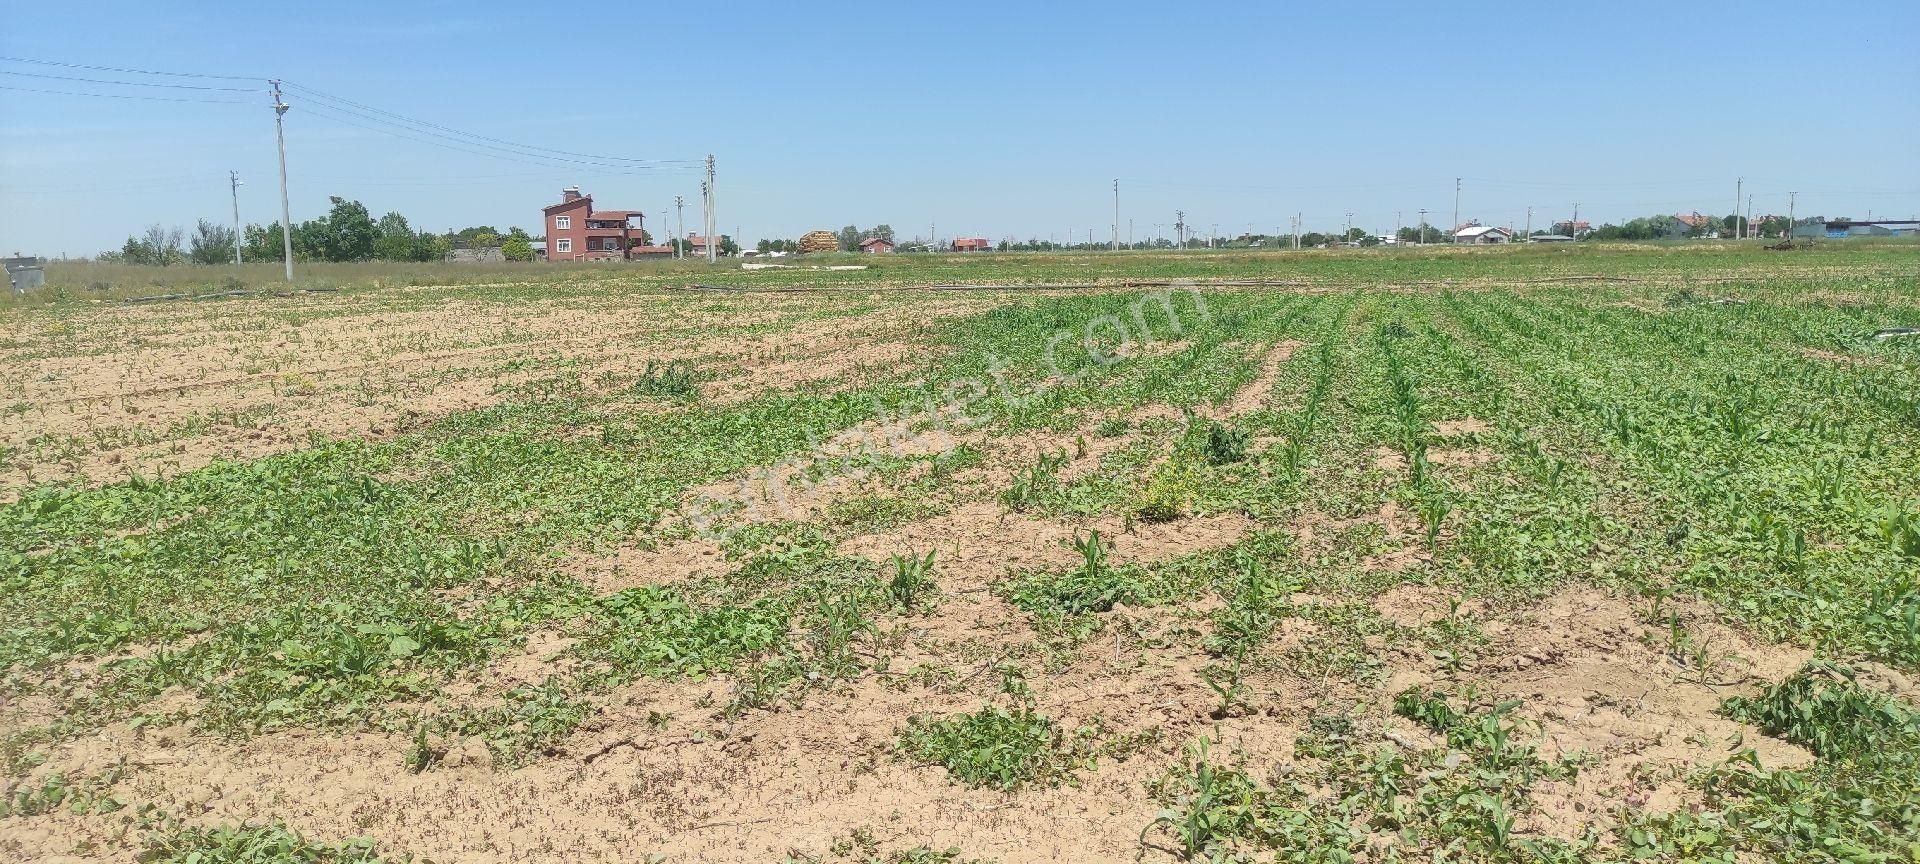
column 985, row 118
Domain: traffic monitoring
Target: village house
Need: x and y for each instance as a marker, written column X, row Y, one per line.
column 876, row 245
column 972, row 244
column 1482, row 235
column 577, row 232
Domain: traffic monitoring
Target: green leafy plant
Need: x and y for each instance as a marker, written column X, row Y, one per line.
column 1225, row 445
column 1093, row 586
column 674, row 382
column 912, row 587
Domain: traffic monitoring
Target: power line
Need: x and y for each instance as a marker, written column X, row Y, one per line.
column 135, row 83
column 132, row 71
column 339, row 116
column 124, row 96
column 519, row 156
column 404, row 119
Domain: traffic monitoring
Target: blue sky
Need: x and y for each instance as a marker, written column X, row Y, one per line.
column 989, row 119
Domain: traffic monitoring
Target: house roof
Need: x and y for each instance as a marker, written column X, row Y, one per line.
column 1479, row 230
column 971, row 241
column 586, row 200
column 613, row 215
column 653, row 250
column 1693, row 220
column 875, row 240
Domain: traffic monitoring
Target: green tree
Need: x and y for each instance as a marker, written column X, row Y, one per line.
column 158, row 245
column 517, row 248
column 210, row 244
column 346, row 233
column 261, row 243
column 395, row 240
column 134, row 251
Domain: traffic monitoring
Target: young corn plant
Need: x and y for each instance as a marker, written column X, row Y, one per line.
column 673, row 382
column 912, row 587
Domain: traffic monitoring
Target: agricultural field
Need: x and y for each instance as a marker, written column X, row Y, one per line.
column 1559, row 555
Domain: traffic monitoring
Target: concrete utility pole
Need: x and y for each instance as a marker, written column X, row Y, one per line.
column 1792, row 198
column 1348, row 237
column 1116, row 215
column 680, row 226
column 1573, row 228
column 1736, row 226
column 1212, row 234
column 1298, row 219
column 713, row 248
column 286, row 215
column 233, row 179
column 1749, row 225
column 1422, row 241
column 1456, row 210
column 1529, row 224
column 1180, row 228
column 1399, row 224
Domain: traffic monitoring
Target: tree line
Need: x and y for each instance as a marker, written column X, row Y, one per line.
column 849, row 238
column 347, row 233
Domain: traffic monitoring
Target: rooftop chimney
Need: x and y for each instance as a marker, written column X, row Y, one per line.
column 569, row 194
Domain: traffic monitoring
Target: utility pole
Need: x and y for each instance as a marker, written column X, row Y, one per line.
column 1792, row 197
column 233, row 178
column 1116, row 215
column 1212, row 234
column 1423, row 229
column 1298, row 218
column 1529, row 224
column 1737, row 184
column 1749, row 225
column 1180, row 228
column 1456, row 210
column 1573, row 228
column 680, row 226
column 286, row 215
column 713, row 248
column 1348, row 237
column 1399, row 224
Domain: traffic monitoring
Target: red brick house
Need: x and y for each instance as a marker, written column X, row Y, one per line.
column 972, row 244
column 577, row 232
column 697, row 245
column 876, row 245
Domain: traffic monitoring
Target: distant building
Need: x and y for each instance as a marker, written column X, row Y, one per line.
column 577, row 232
column 661, row 251
column 1696, row 220
column 1482, row 235
column 482, row 254
column 697, row 245
column 972, row 244
column 25, row 273
column 1875, row 228
column 1551, row 238
column 876, row 245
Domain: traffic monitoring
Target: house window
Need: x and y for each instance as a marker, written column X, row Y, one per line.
column 613, row 244
column 563, row 223
column 563, row 244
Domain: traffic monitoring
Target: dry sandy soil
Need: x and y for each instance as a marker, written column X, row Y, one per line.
column 656, row 770
column 160, row 389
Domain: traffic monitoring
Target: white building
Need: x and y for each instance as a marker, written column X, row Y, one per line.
column 1482, row 234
